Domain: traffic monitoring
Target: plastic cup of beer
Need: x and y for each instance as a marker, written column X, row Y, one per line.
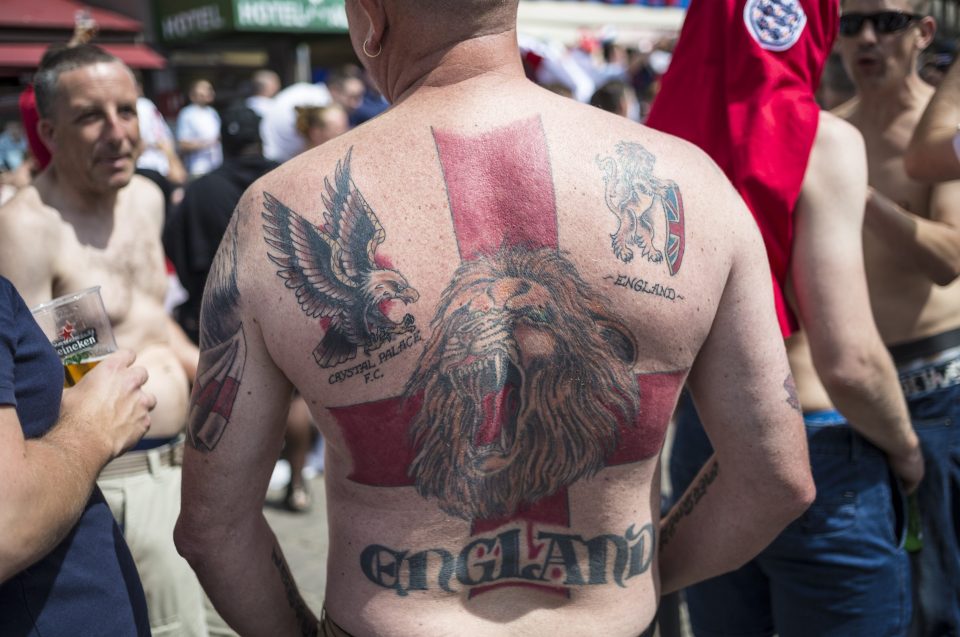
column 78, row 328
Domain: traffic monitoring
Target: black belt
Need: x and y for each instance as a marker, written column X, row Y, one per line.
column 905, row 353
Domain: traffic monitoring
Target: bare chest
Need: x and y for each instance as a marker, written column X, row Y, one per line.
column 129, row 269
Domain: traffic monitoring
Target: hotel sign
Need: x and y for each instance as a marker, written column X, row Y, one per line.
column 181, row 20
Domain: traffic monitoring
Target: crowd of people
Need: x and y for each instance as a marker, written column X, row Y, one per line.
column 470, row 268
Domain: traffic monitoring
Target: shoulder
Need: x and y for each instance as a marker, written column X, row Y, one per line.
column 838, row 156
column 27, row 214
column 145, row 190
column 142, row 196
column 837, row 134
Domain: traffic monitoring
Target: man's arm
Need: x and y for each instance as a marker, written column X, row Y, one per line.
column 848, row 353
column 930, row 245
column 759, row 479
column 45, row 483
column 193, row 145
column 235, row 439
column 933, row 152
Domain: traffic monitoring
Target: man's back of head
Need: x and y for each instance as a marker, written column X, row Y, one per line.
column 265, row 83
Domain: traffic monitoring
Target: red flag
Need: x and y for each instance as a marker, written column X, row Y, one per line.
column 741, row 87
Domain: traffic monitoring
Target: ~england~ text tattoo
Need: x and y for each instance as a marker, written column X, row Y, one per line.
column 309, row 627
column 334, row 270
column 557, row 559
column 223, row 349
column 686, row 505
column 644, row 287
column 644, row 206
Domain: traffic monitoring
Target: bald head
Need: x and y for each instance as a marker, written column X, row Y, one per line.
column 465, row 16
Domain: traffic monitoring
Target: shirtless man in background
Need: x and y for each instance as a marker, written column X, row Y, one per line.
column 840, row 569
column 489, row 297
column 912, row 256
column 88, row 220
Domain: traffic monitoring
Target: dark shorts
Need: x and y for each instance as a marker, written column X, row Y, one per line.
column 929, row 371
column 838, row 571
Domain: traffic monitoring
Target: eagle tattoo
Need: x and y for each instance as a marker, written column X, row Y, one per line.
column 334, row 272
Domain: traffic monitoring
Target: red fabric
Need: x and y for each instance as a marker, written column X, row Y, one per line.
column 60, row 14
column 30, row 117
column 752, row 110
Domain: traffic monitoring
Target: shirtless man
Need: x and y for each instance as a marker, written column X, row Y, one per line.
column 489, row 297
column 912, row 256
column 839, row 570
column 88, row 220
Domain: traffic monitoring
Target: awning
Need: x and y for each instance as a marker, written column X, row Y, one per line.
column 59, row 14
column 27, row 55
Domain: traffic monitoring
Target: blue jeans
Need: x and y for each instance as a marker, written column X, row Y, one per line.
column 839, row 570
column 936, row 419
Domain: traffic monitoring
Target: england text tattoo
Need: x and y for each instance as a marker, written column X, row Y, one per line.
column 644, row 206
column 687, row 504
column 642, row 286
column 223, row 349
column 555, row 559
column 305, row 619
column 334, row 271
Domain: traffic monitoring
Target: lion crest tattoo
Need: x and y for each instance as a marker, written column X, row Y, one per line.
column 525, row 382
column 641, row 203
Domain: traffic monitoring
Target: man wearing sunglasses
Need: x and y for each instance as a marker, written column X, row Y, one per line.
column 746, row 96
column 912, row 256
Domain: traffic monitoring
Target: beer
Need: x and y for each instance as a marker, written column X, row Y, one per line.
column 79, row 330
column 74, row 371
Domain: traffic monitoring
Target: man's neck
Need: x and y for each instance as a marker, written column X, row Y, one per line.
column 881, row 105
column 493, row 56
column 70, row 199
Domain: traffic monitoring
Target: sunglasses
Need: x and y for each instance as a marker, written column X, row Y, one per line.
column 884, row 22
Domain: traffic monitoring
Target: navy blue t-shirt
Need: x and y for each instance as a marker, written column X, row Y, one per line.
column 88, row 585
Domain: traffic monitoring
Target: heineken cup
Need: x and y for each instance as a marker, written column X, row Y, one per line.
column 78, row 328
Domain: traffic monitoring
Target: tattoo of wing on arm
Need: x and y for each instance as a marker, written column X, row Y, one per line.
column 793, row 398
column 687, row 504
column 309, row 626
column 333, row 269
column 223, row 349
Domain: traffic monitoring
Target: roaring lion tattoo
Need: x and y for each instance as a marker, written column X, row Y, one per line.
column 525, row 381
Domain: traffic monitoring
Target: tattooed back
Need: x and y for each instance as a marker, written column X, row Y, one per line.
column 491, row 313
